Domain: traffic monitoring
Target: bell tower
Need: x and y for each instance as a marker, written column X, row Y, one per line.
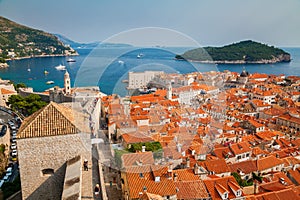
column 67, row 83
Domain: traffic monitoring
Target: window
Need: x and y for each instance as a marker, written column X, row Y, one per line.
column 141, row 175
column 225, row 195
column 47, row 172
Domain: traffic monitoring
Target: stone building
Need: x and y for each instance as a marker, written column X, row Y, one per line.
column 138, row 80
column 48, row 142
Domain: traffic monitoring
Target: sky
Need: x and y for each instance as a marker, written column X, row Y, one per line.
column 206, row 22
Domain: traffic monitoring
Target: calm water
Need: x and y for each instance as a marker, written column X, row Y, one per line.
column 107, row 67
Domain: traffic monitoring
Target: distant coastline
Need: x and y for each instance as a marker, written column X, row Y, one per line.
column 234, row 62
column 5, row 65
column 244, row 52
column 42, row 56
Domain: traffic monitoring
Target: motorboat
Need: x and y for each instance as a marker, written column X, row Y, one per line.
column 49, row 82
column 71, row 60
column 140, row 55
column 60, row 67
column 121, row 62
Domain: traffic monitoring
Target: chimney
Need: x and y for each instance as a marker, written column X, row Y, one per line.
column 143, row 148
column 170, row 172
column 144, row 189
column 188, row 163
column 175, row 177
column 178, row 148
column 255, row 187
column 196, row 169
column 140, row 194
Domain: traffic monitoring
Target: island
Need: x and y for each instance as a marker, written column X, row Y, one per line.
column 244, row 52
column 19, row 41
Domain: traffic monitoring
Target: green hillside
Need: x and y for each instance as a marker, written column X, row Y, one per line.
column 20, row 41
column 242, row 52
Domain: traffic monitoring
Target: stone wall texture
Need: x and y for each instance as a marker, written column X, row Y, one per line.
column 36, row 154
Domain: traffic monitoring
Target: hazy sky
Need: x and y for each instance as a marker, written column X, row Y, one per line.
column 209, row 22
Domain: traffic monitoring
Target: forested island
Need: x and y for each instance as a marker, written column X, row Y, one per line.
column 18, row 41
column 244, row 52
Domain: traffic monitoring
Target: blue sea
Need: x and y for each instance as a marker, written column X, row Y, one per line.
column 106, row 67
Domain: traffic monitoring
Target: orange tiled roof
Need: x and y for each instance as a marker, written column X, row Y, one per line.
column 295, row 174
column 137, row 183
column 218, row 166
column 5, row 91
column 150, row 196
column 191, row 190
column 136, row 137
column 223, row 184
column 267, row 162
column 246, row 167
column 132, row 159
column 186, row 175
column 239, row 148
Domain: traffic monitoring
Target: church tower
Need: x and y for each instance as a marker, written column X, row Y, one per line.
column 169, row 91
column 67, row 83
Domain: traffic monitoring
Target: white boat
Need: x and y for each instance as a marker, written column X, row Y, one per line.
column 46, row 72
column 60, row 67
column 71, row 60
column 121, row 62
column 49, row 82
column 140, row 55
column 28, row 69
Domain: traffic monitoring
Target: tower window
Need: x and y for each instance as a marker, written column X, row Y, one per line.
column 47, row 172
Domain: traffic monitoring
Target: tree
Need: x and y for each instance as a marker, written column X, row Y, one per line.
column 19, row 85
column 240, row 181
column 150, row 146
column 27, row 105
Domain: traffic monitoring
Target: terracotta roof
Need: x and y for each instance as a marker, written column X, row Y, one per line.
column 239, row 148
column 255, row 123
column 267, row 162
column 140, row 158
column 191, row 190
column 137, row 183
column 218, row 166
column 295, row 174
column 186, row 175
column 246, row 167
column 222, row 184
column 53, row 119
column 150, row 196
column 258, row 151
column 223, row 152
column 136, row 137
column 5, row 91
